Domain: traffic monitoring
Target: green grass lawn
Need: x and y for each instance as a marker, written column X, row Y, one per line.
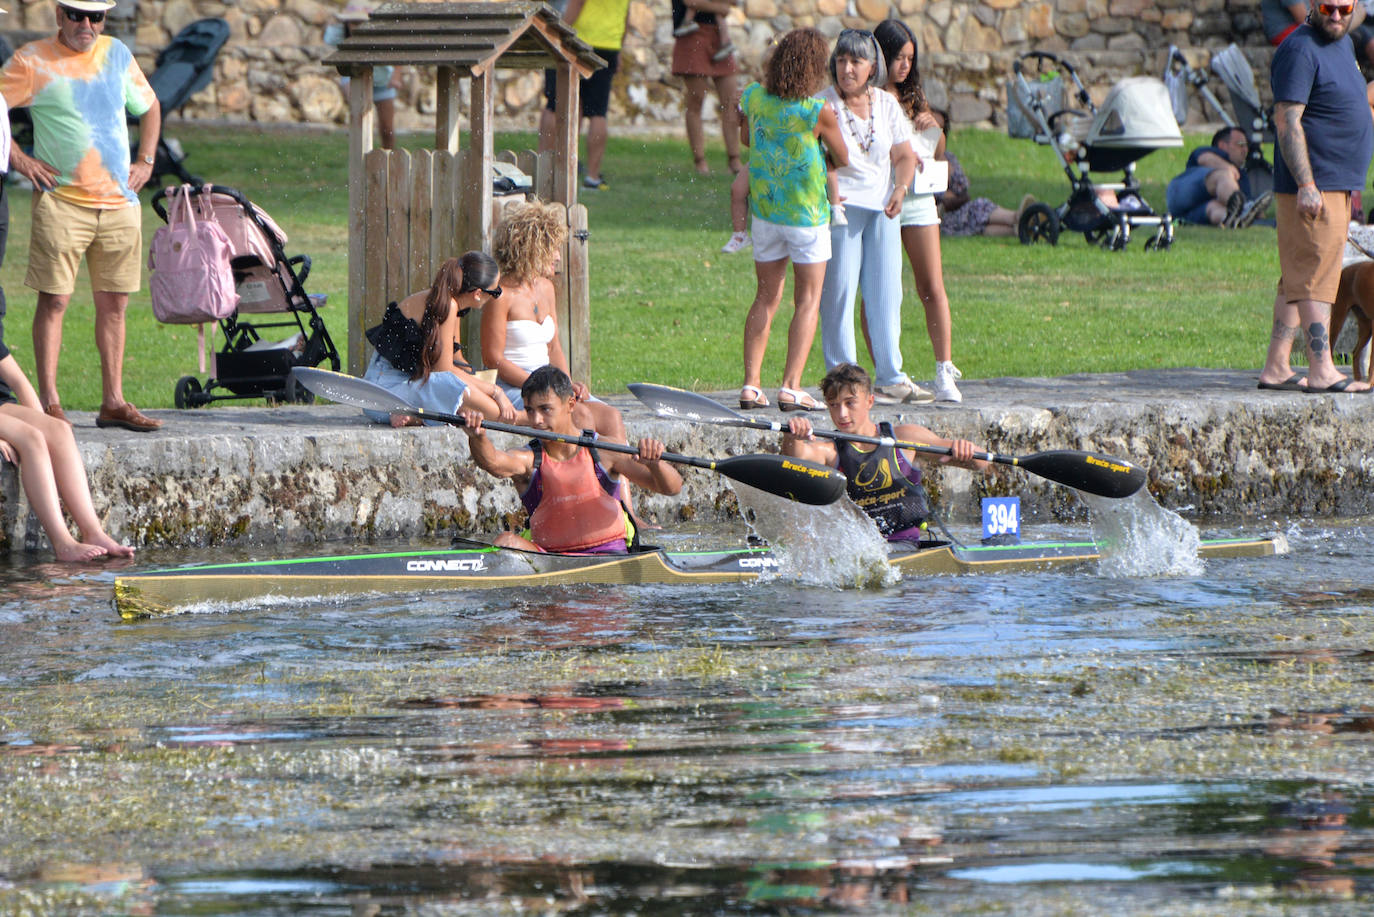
column 668, row 307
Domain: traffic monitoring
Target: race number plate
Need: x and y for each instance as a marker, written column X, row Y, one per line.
column 1002, row 519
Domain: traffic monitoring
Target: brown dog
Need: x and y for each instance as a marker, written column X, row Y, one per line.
column 1355, row 298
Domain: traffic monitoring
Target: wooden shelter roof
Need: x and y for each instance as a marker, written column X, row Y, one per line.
column 466, row 36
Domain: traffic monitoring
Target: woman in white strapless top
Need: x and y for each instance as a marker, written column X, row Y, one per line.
column 527, row 346
column 520, row 328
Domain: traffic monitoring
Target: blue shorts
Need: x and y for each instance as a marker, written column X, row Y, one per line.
column 1187, row 195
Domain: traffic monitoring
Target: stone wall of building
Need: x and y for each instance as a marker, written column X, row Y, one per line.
column 271, row 71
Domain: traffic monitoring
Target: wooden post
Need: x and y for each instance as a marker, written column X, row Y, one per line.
column 567, row 122
column 361, row 117
column 397, row 246
column 372, row 260
column 578, row 320
column 422, row 265
column 476, row 201
column 446, row 115
column 477, row 174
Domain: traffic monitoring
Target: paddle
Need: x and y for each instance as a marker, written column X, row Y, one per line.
column 1089, row 471
column 783, row 476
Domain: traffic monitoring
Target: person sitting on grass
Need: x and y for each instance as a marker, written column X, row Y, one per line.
column 883, row 481
column 571, row 492
column 50, row 469
column 418, row 336
column 1213, row 188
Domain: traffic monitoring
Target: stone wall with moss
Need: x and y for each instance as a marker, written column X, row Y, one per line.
column 271, row 70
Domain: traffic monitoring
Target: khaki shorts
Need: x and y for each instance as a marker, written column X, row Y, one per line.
column 1311, row 250
column 110, row 240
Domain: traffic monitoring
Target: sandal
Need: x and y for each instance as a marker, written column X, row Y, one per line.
column 800, row 401
column 759, row 400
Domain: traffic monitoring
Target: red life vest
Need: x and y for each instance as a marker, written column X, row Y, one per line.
column 573, row 504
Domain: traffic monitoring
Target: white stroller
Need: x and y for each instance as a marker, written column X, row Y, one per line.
column 1134, row 120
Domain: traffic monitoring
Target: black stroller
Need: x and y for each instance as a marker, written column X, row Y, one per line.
column 267, row 281
column 183, row 68
column 1135, row 119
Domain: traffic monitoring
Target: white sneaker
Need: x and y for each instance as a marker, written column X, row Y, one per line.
column 737, row 241
column 904, row 392
column 837, row 217
column 945, row 389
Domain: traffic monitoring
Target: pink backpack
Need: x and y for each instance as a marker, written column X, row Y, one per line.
column 192, row 280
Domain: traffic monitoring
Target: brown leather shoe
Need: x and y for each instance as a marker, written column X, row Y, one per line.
column 55, row 410
column 128, row 417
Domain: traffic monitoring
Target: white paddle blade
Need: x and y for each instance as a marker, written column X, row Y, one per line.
column 349, row 390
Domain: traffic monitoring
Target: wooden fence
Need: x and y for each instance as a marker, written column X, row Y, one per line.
column 414, row 217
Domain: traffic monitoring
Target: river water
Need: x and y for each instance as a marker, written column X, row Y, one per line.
column 1059, row 743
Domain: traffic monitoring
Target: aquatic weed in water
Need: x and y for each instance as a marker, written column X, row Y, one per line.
column 835, row 545
column 1138, row 537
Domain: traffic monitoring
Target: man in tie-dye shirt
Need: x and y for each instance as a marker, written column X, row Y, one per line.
column 78, row 86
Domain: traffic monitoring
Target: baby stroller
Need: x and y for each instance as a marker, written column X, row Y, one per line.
column 183, row 68
column 1135, row 119
column 267, row 281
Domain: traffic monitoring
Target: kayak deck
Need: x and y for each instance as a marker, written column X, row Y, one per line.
column 412, row 572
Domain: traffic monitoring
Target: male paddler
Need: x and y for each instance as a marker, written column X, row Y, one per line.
column 571, row 492
column 883, row 480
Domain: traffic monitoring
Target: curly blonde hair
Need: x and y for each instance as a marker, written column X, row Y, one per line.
column 529, row 239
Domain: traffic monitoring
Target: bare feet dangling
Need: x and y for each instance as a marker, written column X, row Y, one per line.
column 78, row 552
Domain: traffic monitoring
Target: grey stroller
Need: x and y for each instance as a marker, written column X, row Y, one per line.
column 1250, row 115
column 1134, row 120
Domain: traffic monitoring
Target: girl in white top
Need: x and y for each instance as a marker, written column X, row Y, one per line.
column 920, row 221
column 520, row 329
column 866, row 251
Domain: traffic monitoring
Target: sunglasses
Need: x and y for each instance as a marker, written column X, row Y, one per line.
column 78, row 15
column 1331, row 9
column 494, row 294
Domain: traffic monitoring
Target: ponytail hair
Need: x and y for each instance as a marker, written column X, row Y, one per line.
column 448, row 284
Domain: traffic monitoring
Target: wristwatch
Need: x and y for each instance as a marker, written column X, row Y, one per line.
column 148, row 159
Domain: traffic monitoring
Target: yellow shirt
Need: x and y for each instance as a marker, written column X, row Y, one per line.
column 601, row 23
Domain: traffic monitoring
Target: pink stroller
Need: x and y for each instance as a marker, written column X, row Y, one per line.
column 267, row 281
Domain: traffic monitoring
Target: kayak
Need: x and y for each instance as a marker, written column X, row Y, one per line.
column 168, row 590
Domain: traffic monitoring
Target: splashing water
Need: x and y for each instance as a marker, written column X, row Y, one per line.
column 835, row 545
column 1138, row 537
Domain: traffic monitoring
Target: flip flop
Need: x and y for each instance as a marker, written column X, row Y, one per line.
column 1335, row 387
column 1291, row 384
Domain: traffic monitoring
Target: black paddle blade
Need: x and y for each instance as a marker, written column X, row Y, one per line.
column 783, row 476
column 349, row 390
column 1103, row 475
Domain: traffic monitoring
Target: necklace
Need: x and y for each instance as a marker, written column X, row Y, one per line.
column 865, row 144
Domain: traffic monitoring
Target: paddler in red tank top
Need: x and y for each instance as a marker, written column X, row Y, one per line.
column 883, row 480
column 572, row 492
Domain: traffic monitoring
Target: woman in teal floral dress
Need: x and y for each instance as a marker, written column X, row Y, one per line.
column 781, row 120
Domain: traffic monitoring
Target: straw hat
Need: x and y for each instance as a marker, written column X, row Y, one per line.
column 356, row 11
column 89, row 6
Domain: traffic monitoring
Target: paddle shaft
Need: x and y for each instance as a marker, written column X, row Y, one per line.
column 795, row 479
column 1099, row 474
column 589, row 441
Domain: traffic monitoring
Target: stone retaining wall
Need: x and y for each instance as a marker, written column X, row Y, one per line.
column 1211, row 443
column 270, row 70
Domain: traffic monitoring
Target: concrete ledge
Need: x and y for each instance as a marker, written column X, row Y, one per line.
column 1210, row 440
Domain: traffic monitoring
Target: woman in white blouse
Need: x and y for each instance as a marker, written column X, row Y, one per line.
column 866, row 251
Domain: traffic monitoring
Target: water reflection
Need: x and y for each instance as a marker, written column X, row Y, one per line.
column 1011, row 744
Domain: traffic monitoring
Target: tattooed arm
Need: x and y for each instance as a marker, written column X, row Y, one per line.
column 1292, row 142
